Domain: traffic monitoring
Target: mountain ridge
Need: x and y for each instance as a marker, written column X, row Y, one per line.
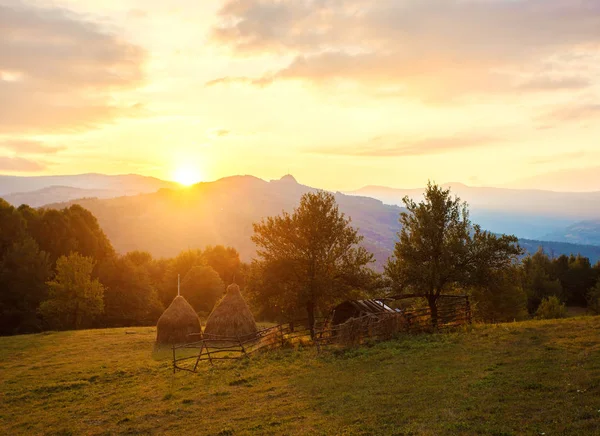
column 222, row 212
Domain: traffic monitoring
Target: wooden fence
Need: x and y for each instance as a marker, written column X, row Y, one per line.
column 453, row 311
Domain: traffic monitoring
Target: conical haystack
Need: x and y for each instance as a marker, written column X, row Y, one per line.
column 231, row 317
column 177, row 323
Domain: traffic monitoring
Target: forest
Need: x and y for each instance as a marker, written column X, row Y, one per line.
column 59, row 271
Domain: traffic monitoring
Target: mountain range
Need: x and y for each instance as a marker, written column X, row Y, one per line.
column 145, row 213
column 532, row 214
column 164, row 218
column 222, row 212
column 42, row 190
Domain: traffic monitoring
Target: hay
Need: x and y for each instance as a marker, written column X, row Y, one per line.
column 177, row 323
column 231, row 317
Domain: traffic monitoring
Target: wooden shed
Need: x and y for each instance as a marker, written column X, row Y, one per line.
column 357, row 308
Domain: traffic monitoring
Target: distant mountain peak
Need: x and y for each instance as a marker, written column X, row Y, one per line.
column 288, row 178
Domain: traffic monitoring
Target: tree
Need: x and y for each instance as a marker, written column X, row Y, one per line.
column 202, row 287
column 309, row 258
column 75, row 298
column 537, row 280
column 12, row 226
column 224, row 260
column 577, row 279
column 593, row 299
column 439, row 249
column 178, row 266
column 129, row 295
column 75, row 229
column 551, row 308
column 503, row 299
column 24, row 271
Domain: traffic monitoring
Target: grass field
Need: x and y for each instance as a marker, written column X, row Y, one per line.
column 531, row 378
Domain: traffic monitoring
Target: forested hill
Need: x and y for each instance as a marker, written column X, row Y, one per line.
column 222, row 212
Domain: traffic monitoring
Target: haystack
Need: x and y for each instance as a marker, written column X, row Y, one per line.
column 177, row 323
column 231, row 317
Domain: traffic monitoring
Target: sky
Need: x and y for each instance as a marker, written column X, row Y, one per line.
column 339, row 93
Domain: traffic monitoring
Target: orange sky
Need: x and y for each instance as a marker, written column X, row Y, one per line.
column 341, row 93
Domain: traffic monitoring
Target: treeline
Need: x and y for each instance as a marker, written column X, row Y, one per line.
column 58, row 270
column 540, row 286
column 311, row 259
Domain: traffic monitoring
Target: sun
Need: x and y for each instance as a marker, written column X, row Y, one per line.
column 187, row 176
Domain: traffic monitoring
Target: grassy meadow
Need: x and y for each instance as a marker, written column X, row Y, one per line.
column 530, row 378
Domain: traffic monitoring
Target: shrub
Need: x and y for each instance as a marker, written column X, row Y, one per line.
column 551, row 308
column 593, row 299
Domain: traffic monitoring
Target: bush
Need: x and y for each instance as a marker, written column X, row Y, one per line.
column 593, row 299
column 551, row 308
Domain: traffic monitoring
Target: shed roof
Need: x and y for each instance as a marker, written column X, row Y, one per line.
column 369, row 306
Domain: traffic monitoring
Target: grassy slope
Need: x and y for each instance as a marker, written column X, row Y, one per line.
column 525, row 378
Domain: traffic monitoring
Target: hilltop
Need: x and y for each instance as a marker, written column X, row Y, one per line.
column 41, row 190
column 511, row 379
column 222, row 212
column 526, row 213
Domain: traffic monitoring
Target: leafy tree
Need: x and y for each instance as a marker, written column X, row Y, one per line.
column 61, row 232
column 129, row 295
column 178, row 266
column 537, row 280
column 578, row 278
column 551, row 308
column 75, row 299
column 439, row 249
column 593, row 299
column 503, row 299
column 139, row 258
column 12, row 226
column 225, row 261
column 24, row 271
column 202, row 287
column 310, row 258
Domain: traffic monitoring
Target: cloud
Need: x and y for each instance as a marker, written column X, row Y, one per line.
column 29, row 147
column 60, row 71
column 574, row 112
column 137, row 13
column 233, row 80
column 222, row 132
column 384, row 147
column 545, row 83
column 432, row 49
column 19, row 164
column 563, row 157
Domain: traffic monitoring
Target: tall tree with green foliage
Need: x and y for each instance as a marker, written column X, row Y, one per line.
column 24, row 271
column 12, row 226
column 225, row 261
column 538, row 281
column 202, row 287
column 310, row 258
column 75, row 299
column 439, row 249
column 502, row 299
column 130, row 297
column 593, row 299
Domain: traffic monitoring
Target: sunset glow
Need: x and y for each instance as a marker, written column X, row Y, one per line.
column 187, row 176
column 394, row 95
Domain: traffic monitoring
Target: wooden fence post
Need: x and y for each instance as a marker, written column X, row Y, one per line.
column 208, row 353
column 199, row 356
column 242, row 346
column 281, row 333
column 468, row 309
column 174, row 361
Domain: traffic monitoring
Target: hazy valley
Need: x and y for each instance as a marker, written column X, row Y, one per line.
column 142, row 213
